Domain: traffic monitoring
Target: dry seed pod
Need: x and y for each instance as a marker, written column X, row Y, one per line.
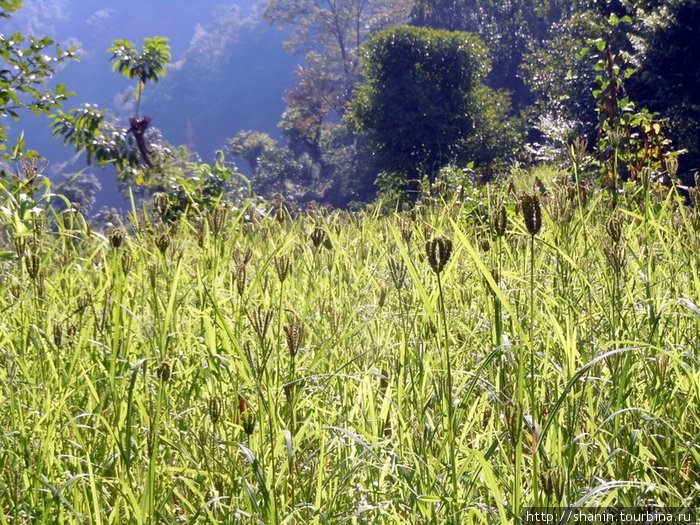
column 616, row 257
column 20, row 245
column 127, row 262
column 577, row 150
column 380, row 295
column 214, row 405
column 438, row 250
column 552, row 483
column 162, row 241
column 496, row 278
column 398, row 272
column 260, row 319
column 318, row 237
column 58, row 334
column 513, row 413
column 614, row 228
column 247, row 416
column 164, row 371
column 216, row 219
column 532, row 212
column 406, row 233
column 152, row 270
column 242, row 257
column 694, row 194
column 672, row 167
column 239, row 274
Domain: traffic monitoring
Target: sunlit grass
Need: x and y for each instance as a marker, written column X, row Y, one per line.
column 155, row 380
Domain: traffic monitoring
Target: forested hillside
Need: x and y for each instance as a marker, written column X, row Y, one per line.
column 547, row 72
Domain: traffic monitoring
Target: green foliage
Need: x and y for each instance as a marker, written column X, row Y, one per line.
column 496, row 136
column 509, row 29
column 87, row 128
column 630, row 140
column 145, row 65
column 417, row 105
column 252, row 146
column 25, row 67
column 412, row 367
column 193, row 186
column 669, row 74
column 562, row 80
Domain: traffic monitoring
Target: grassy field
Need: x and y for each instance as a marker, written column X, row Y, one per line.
column 450, row 364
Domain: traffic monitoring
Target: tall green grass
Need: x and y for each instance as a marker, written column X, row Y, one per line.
column 245, row 368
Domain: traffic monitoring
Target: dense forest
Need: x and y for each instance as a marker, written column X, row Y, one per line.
column 389, row 93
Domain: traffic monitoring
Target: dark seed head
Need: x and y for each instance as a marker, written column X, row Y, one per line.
column 438, row 250
column 116, row 236
column 318, row 237
column 614, row 228
column 33, row 264
column 294, row 333
column 282, row 265
column 532, row 212
column 500, row 221
column 161, row 203
column 164, row 371
column 215, row 407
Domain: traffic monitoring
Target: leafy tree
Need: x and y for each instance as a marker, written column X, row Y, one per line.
column 194, row 186
column 252, row 146
column 507, row 28
column 669, row 77
column 25, row 67
column 335, row 28
column 562, row 79
column 329, row 33
column 87, row 128
column 315, row 96
column 417, row 105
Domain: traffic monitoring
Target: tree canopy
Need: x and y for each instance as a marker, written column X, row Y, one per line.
column 417, row 102
column 25, row 67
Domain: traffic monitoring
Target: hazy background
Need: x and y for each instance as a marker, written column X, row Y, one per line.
column 228, row 72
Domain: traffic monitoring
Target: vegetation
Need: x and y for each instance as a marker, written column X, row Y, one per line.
column 451, row 364
column 514, row 336
column 416, row 105
column 26, row 69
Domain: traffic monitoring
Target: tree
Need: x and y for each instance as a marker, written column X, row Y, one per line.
column 25, row 67
column 315, row 96
column 330, row 33
column 80, row 189
column 669, row 75
column 335, row 28
column 417, row 103
column 88, row 129
column 252, row 146
column 509, row 29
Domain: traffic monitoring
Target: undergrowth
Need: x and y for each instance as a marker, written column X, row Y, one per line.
column 253, row 367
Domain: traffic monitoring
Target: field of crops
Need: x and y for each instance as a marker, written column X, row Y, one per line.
column 452, row 363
